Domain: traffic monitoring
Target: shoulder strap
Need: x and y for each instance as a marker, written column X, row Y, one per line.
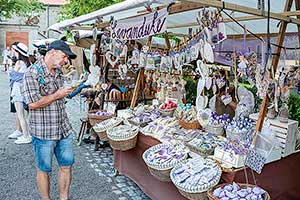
column 41, row 79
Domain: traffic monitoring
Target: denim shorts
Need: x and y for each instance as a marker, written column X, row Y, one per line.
column 44, row 150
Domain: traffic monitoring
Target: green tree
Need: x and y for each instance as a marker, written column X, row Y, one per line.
column 22, row 8
column 80, row 7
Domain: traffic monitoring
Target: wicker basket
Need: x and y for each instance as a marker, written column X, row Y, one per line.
column 161, row 172
column 197, row 192
column 167, row 112
column 189, row 125
column 162, row 175
column 102, row 133
column 194, row 196
column 95, row 119
column 215, row 129
column 123, row 145
column 123, row 142
column 133, row 122
column 242, row 185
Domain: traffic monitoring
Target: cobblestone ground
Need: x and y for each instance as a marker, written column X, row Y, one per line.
column 92, row 173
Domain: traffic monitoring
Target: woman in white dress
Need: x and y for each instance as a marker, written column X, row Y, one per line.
column 16, row 82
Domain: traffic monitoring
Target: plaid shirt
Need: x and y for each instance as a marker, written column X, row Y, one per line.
column 50, row 122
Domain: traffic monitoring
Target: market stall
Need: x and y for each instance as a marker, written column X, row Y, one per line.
column 196, row 134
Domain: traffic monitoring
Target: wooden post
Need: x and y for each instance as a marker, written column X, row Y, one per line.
column 137, row 88
column 263, row 110
column 281, row 36
column 167, row 41
column 297, row 3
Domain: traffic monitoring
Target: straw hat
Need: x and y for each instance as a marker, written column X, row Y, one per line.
column 21, row 48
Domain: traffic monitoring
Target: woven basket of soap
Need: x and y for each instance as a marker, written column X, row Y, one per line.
column 167, row 109
column 194, row 177
column 205, row 144
column 189, row 119
column 97, row 116
column 161, row 158
column 237, row 191
column 123, row 137
column 101, row 128
column 189, row 125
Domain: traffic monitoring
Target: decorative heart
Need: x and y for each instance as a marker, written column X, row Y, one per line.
column 203, row 117
column 205, row 70
column 95, row 33
column 205, row 100
column 214, row 88
column 208, row 82
column 200, row 86
column 194, row 52
column 104, row 86
column 108, row 56
column 200, row 103
column 208, row 53
column 199, row 70
column 201, row 43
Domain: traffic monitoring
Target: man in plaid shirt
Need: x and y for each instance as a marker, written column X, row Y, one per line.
column 48, row 121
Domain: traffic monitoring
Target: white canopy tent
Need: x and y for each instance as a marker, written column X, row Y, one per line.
column 179, row 22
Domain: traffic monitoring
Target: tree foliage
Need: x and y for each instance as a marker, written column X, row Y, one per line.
column 80, row 7
column 22, row 8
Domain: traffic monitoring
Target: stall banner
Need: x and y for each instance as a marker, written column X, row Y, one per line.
column 140, row 27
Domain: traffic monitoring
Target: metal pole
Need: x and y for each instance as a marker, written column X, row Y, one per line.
column 47, row 21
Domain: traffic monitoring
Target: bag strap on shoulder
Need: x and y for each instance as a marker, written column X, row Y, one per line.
column 41, row 79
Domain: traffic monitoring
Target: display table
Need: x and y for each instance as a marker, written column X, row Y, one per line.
column 131, row 164
column 279, row 178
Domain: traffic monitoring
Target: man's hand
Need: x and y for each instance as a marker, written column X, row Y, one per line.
column 63, row 92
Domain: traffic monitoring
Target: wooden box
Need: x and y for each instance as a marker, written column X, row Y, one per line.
column 286, row 133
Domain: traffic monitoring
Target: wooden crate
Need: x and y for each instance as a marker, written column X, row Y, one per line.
column 286, row 133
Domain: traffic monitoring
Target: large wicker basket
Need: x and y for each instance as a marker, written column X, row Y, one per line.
column 162, row 175
column 123, row 145
column 95, row 119
column 189, row 125
column 102, row 133
column 197, row 192
column 193, row 196
column 242, row 185
column 161, row 172
column 124, row 142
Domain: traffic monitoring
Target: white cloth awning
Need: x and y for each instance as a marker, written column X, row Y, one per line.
column 122, row 6
column 130, row 8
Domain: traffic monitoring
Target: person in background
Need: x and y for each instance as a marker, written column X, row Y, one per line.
column 16, row 82
column 18, row 132
column 7, row 53
column 49, row 123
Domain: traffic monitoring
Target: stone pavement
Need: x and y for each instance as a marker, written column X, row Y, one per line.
column 92, row 173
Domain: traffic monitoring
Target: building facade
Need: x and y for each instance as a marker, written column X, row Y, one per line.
column 26, row 31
